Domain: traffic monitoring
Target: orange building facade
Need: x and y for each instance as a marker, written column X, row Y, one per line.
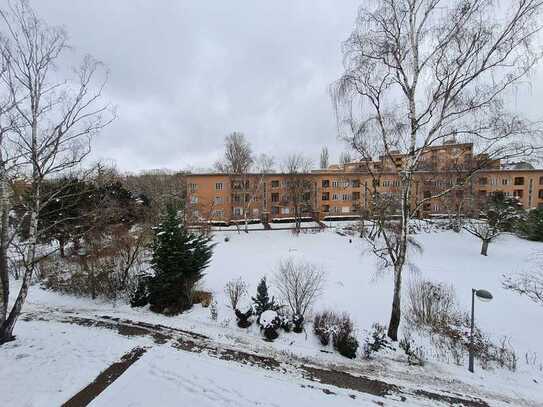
column 347, row 191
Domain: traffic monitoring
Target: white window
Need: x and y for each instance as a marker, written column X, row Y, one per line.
column 505, row 181
column 386, row 183
column 335, row 197
column 238, row 211
column 193, row 187
column 219, row 186
column 218, row 214
column 195, row 213
column 493, row 181
column 345, row 209
column 345, row 197
column 219, row 200
column 193, row 199
column 285, row 211
column 335, row 184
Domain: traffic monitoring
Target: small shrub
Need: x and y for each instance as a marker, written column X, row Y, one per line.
column 270, row 321
column 415, row 354
column 202, row 297
column 339, row 328
column 235, row 290
column 244, row 318
column 213, row 311
column 430, row 303
column 298, row 322
column 376, row 340
column 322, row 325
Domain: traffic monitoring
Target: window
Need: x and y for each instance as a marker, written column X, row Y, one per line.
column 335, row 197
column 285, row 211
column 275, row 210
column 275, row 183
column 345, row 209
column 519, row 180
column 483, row 181
column 505, row 181
column 540, row 180
column 517, row 193
column 219, row 200
column 218, row 214
column 193, row 187
column 326, row 208
column 306, row 197
column 355, row 183
column 540, row 194
column 193, row 199
column 345, row 197
column 255, row 211
column 335, row 184
column 325, row 183
column 238, row 211
column 219, row 186
column 237, row 199
column 386, row 183
column 356, row 196
column 275, row 197
column 427, row 194
column 326, row 196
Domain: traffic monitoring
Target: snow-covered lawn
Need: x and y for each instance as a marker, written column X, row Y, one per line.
column 352, row 285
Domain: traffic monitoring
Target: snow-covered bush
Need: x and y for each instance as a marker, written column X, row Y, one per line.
column 343, row 339
column 339, row 328
column 244, row 317
column 269, row 322
column 213, row 311
column 376, row 340
column 430, row 303
column 415, row 354
column 322, row 326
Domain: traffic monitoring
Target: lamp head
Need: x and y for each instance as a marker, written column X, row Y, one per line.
column 483, row 295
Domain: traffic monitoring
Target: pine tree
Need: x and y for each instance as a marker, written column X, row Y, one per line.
column 179, row 260
column 262, row 300
column 532, row 227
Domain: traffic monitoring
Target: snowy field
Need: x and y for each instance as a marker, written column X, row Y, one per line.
column 352, row 285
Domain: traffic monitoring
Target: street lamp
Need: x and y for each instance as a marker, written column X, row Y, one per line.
column 484, row 296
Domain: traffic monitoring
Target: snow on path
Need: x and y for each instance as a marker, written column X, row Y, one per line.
column 49, row 362
column 165, row 377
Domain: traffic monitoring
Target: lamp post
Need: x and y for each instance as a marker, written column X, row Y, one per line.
column 484, row 296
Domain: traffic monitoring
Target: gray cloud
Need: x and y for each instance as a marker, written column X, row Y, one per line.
column 186, row 73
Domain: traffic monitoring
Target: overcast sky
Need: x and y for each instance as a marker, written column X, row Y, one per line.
column 186, row 73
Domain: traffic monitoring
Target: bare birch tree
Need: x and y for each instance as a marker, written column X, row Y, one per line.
column 58, row 118
column 299, row 186
column 418, row 72
column 325, row 158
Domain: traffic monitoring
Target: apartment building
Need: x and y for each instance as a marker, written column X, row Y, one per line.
column 348, row 190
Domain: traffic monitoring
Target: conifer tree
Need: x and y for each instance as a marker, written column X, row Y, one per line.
column 262, row 300
column 179, row 260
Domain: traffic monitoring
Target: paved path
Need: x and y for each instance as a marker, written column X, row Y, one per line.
column 193, row 342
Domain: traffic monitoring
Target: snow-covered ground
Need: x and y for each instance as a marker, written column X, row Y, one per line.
column 352, row 285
